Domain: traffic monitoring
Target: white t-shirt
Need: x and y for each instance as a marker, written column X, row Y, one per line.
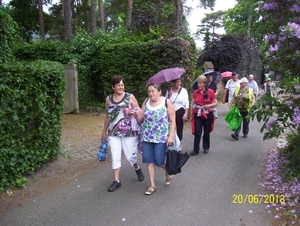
column 182, row 100
column 254, row 86
column 231, row 86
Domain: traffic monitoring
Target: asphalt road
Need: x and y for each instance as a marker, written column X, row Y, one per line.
column 202, row 194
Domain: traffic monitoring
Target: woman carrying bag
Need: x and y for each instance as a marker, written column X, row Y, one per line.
column 243, row 99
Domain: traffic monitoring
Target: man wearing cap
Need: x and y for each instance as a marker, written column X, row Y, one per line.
column 243, row 98
column 268, row 88
column 252, row 84
column 230, row 86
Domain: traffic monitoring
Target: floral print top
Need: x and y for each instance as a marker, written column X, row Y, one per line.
column 119, row 121
column 156, row 123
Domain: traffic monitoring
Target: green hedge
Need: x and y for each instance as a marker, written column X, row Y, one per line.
column 99, row 59
column 31, row 105
column 138, row 61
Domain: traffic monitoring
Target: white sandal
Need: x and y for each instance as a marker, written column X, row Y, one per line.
column 150, row 191
column 168, row 179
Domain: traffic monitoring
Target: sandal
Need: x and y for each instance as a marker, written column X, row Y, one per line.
column 168, row 179
column 150, row 191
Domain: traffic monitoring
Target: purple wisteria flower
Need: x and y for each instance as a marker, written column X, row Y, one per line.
column 289, row 103
column 269, row 123
column 271, row 73
column 273, row 48
column 297, row 86
column 278, row 77
column 282, row 39
column 270, row 6
column 296, row 116
column 295, row 8
column 295, row 27
column 270, row 37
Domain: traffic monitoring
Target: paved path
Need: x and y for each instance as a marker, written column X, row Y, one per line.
column 201, row 194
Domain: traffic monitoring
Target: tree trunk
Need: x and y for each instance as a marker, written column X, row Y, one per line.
column 41, row 19
column 129, row 13
column 178, row 13
column 86, row 15
column 93, row 16
column 67, row 20
column 101, row 15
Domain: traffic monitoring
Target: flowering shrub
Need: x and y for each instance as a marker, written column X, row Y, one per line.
column 281, row 114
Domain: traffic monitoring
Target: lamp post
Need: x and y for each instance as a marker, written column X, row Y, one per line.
column 250, row 17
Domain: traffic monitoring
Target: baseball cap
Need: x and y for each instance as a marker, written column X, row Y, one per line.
column 243, row 80
column 268, row 79
column 234, row 73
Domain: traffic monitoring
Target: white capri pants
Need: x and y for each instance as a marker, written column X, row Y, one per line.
column 129, row 146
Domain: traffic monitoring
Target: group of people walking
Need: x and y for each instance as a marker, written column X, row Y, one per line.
column 160, row 117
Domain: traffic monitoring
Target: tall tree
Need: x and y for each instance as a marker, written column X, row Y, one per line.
column 209, row 24
column 207, row 4
column 101, row 15
column 41, row 19
column 178, row 14
column 85, row 8
column 93, row 16
column 245, row 18
column 67, row 20
column 129, row 13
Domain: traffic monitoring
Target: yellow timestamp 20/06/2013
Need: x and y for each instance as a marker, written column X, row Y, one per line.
column 258, row 198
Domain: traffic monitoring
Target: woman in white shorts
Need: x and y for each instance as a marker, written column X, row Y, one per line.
column 120, row 129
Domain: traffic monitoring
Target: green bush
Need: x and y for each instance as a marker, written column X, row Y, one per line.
column 138, row 61
column 9, row 36
column 52, row 51
column 102, row 56
column 31, row 105
column 291, row 168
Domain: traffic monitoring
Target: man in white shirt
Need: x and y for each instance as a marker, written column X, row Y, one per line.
column 230, row 86
column 252, row 84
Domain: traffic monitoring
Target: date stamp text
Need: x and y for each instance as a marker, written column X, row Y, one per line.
column 258, row 199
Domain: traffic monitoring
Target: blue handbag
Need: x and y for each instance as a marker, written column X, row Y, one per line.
column 102, row 153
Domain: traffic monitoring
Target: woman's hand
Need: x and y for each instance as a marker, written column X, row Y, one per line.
column 103, row 137
column 170, row 141
column 184, row 117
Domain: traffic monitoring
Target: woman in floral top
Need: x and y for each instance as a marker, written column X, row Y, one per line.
column 118, row 124
column 157, row 132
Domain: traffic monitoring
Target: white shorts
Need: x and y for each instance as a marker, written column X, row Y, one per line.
column 129, row 145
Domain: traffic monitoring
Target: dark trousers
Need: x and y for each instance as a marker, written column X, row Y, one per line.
column 179, row 122
column 245, row 124
column 205, row 126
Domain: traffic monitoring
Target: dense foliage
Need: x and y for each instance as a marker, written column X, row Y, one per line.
column 31, row 104
column 101, row 56
column 233, row 52
column 281, row 114
column 9, row 36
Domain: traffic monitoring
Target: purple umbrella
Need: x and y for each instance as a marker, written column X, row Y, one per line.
column 166, row 75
